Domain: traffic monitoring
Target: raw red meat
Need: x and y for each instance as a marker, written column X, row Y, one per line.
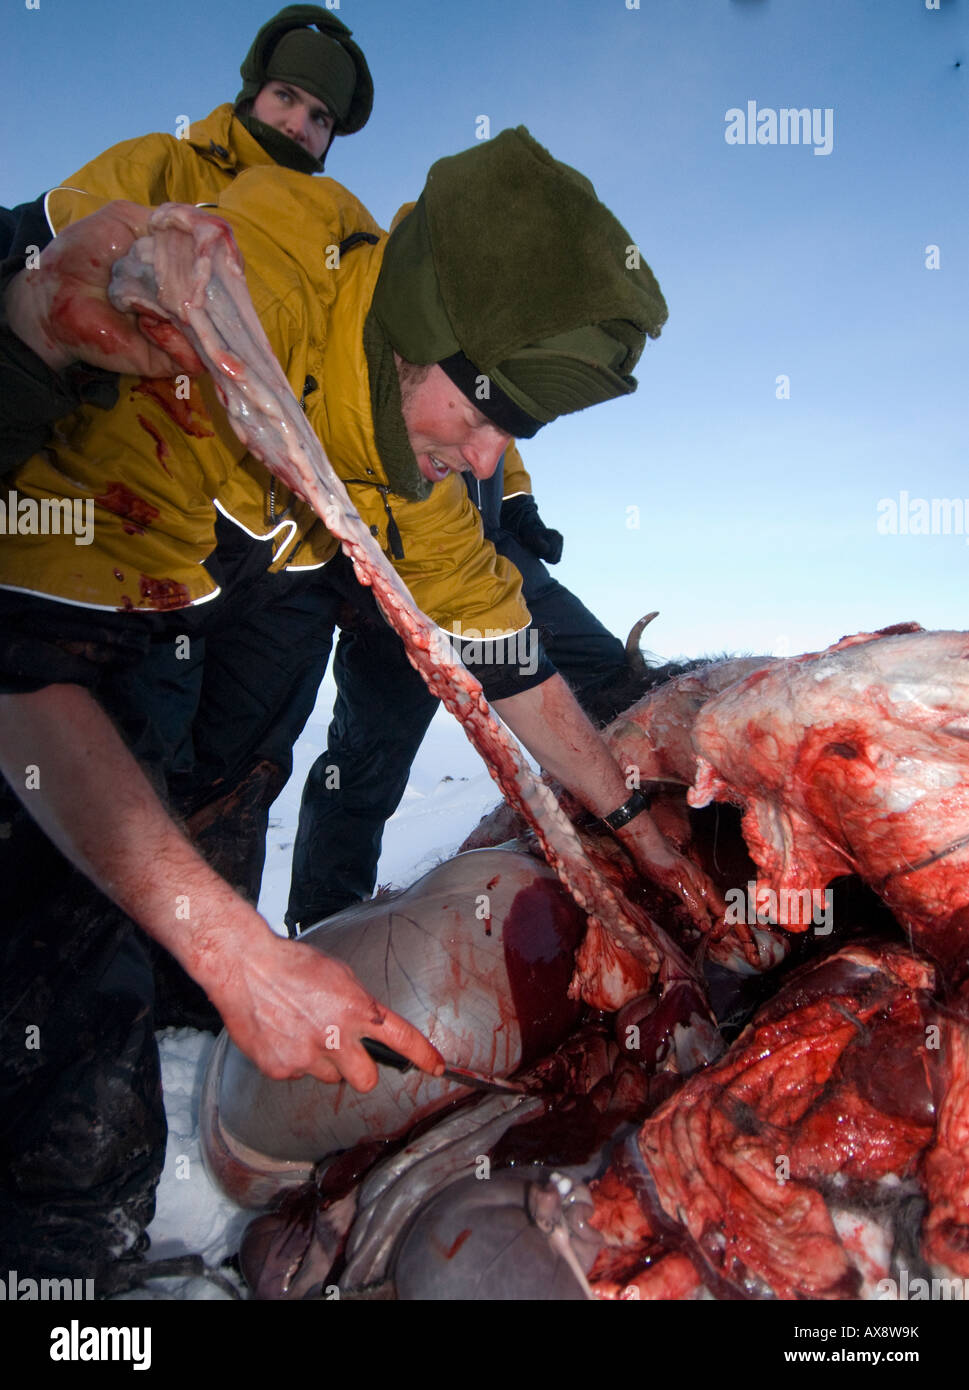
column 946, row 1173
column 761, row 1167
column 855, row 760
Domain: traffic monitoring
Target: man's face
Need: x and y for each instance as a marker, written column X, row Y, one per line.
column 295, row 113
column 446, row 432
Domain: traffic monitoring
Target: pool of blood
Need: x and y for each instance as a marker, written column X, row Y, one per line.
column 541, row 933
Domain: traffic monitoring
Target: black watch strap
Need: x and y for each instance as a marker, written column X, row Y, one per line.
column 639, row 801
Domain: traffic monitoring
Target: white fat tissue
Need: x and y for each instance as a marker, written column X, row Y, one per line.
column 910, row 692
column 913, row 778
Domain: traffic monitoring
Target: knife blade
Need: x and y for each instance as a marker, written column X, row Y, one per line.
column 386, row 1056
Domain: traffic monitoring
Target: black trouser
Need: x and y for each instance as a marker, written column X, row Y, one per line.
column 82, row 1125
column 82, row 1130
column 381, row 715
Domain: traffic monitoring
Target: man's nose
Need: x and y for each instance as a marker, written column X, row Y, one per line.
column 297, row 126
column 484, row 455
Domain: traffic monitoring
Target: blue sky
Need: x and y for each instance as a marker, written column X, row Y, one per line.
column 757, row 516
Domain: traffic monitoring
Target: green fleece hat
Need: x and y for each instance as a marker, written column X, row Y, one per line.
column 515, row 278
column 309, row 47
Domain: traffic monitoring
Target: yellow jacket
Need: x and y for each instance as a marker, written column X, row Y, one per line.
column 516, row 478
column 158, row 168
column 150, row 470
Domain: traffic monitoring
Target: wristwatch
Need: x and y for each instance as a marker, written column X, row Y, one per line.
column 639, row 801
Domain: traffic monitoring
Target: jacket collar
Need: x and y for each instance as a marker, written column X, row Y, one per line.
column 225, row 142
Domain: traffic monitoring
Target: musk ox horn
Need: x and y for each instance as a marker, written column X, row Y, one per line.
column 633, row 655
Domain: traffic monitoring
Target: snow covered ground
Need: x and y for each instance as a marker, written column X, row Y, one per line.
column 448, row 792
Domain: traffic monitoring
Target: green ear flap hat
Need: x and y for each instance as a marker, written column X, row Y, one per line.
column 319, row 65
column 513, row 277
column 309, row 47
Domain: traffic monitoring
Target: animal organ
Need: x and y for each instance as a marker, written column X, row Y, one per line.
column 855, row 760
column 488, row 988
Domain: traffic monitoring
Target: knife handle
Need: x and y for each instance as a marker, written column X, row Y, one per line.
column 380, row 1052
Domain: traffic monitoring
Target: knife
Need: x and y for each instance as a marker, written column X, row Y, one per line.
column 381, row 1053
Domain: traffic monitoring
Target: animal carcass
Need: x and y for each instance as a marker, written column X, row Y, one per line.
column 853, row 760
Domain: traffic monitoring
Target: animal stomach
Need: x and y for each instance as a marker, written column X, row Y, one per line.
column 478, row 954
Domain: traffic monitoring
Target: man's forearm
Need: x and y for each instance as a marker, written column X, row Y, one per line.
column 552, row 726
column 66, row 761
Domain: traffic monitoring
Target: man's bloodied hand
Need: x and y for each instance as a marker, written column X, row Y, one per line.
column 661, row 862
column 296, row 1012
column 60, row 309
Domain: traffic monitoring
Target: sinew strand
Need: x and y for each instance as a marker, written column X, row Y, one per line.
column 188, row 271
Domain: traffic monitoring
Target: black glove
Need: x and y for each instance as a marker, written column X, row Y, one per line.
column 519, row 517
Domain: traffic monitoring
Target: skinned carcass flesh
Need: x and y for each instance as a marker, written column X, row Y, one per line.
column 784, row 1170
column 855, row 760
column 824, row 1151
